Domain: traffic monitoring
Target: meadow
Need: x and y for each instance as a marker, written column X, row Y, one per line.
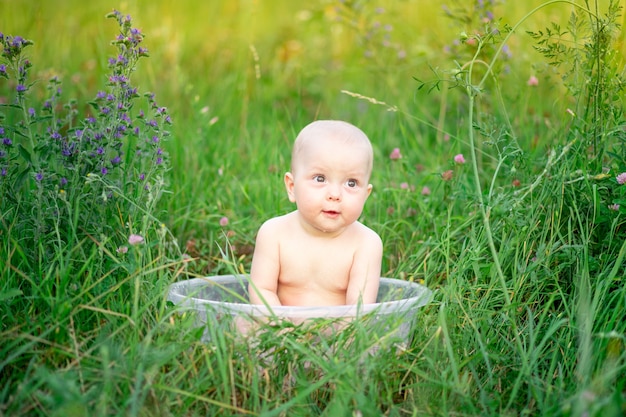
column 148, row 147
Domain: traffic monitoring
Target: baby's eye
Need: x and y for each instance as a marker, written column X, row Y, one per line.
column 352, row 183
column 319, row 178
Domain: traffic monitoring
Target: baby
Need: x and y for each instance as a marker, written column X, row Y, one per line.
column 320, row 254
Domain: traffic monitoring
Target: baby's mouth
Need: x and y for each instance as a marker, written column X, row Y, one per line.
column 331, row 213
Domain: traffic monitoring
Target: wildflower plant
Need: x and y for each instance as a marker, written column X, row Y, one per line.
column 591, row 69
column 65, row 178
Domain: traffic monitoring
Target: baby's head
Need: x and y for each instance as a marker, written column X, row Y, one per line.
column 332, row 133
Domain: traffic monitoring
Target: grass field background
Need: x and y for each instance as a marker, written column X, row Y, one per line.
column 522, row 243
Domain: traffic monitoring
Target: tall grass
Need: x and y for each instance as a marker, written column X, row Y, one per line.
column 522, row 244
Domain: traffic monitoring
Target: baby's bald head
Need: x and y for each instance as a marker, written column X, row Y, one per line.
column 327, row 132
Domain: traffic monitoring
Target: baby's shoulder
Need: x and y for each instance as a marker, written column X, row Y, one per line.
column 276, row 224
column 366, row 235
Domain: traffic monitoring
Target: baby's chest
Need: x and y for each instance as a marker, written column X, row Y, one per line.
column 324, row 264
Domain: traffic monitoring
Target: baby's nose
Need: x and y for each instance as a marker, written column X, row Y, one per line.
column 334, row 192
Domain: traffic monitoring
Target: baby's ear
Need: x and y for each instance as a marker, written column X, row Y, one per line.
column 289, row 184
column 369, row 189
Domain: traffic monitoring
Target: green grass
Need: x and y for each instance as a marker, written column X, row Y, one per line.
column 525, row 259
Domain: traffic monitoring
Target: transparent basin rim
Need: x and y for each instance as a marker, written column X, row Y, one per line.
column 229, row 294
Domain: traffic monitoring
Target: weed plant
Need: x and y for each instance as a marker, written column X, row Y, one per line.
column 504, row 195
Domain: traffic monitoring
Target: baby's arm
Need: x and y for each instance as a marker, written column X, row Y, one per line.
column 365, row 272
column 265, row 267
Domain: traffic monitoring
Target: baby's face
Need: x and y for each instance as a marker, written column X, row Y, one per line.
column 330, row 183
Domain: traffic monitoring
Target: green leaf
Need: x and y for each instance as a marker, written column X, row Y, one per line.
column 24, row 153
column 10, row 293
column 15, row 106
column 21, row 178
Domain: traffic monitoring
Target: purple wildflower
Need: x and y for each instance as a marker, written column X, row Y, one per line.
column 7, row 142
column 395, row 154
column 20, row 88
column 104, row 170
column 70, row 149
column 118, row 79
column 131, row 92
column 135, row 239
column 63, row 181
column 116, row 160
column 39, row 176
column 18, row 41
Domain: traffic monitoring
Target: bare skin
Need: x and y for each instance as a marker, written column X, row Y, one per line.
column 320, row 254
